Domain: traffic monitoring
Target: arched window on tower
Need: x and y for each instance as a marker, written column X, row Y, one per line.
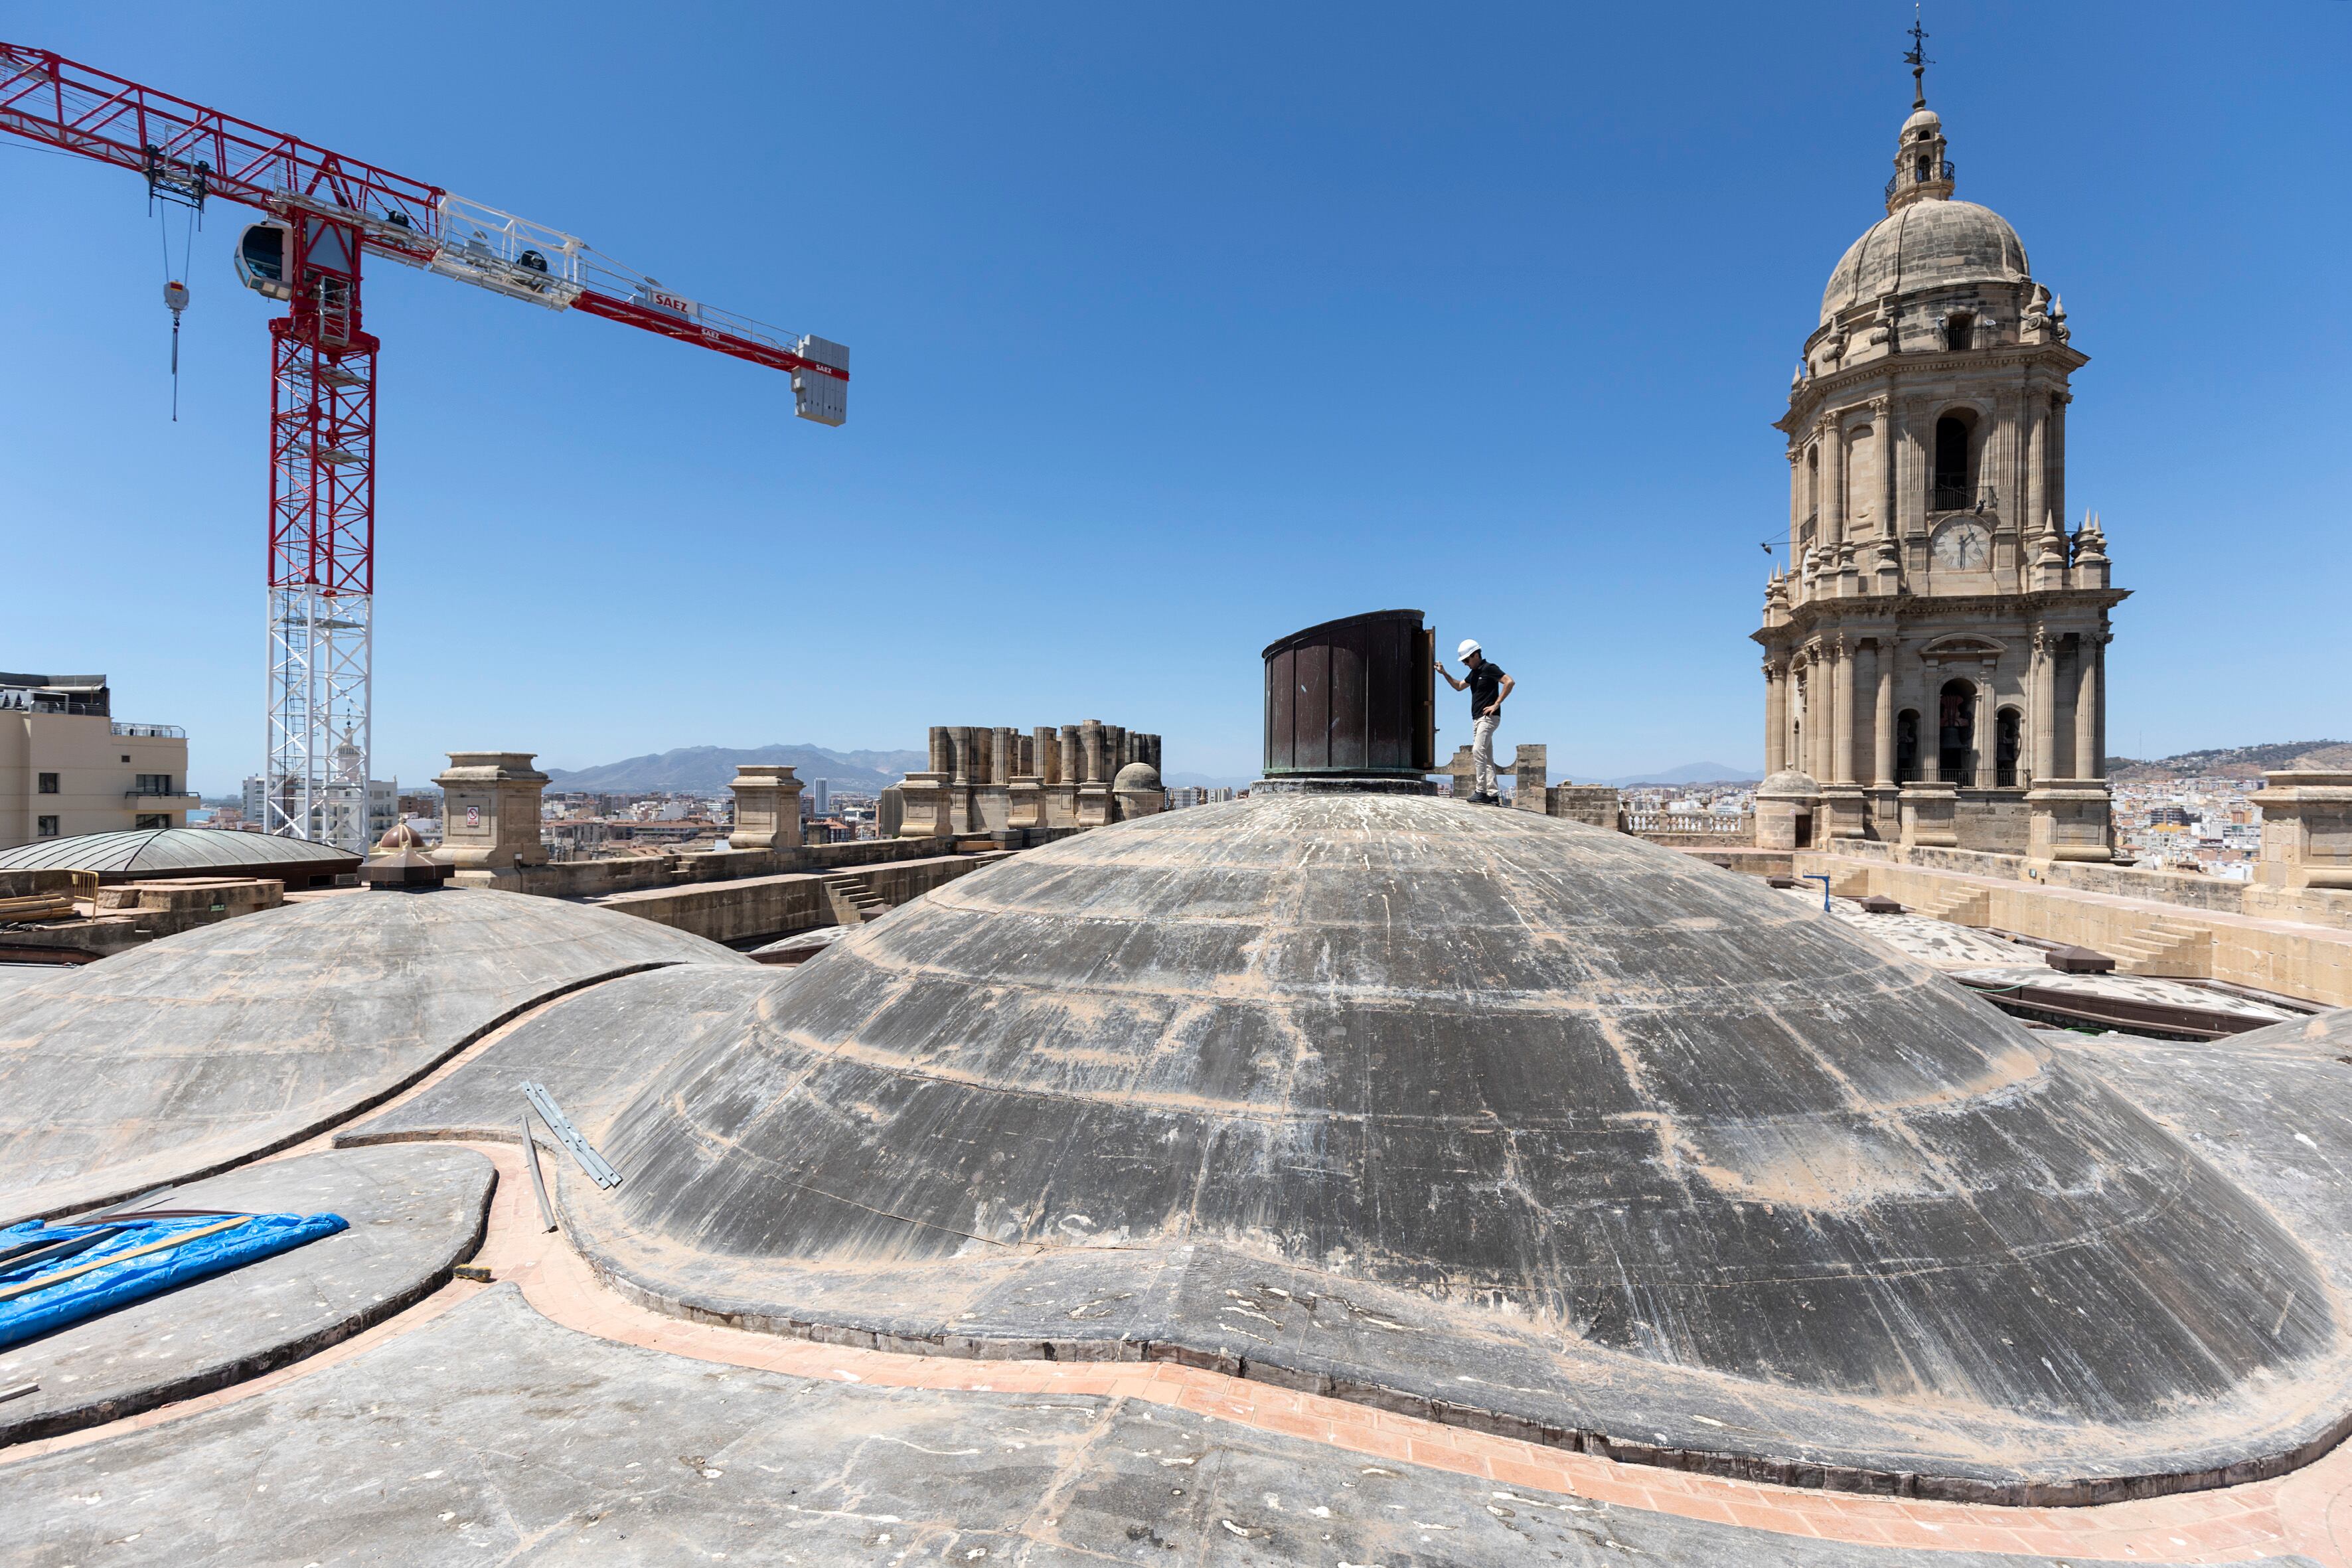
column 1813, row 486
column 1906, row 746
column 2007, row 726
column 1957, row 732
column 1920, row 167
column 1959, row 330
column 1948, row 483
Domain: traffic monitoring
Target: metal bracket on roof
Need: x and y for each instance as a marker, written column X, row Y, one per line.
column 600, row 1173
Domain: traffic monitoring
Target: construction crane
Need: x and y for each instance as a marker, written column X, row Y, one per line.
column 324, row 213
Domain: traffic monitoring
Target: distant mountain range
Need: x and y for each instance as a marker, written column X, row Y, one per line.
column 2235, row 761
column 705, row 770
column 1688, row 773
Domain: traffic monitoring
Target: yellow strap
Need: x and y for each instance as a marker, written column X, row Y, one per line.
column 64, row 1274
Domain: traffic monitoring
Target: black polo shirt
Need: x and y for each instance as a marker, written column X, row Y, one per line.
column 1486, row 681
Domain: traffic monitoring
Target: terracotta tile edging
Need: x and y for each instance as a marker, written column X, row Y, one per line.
column 2237, row 1523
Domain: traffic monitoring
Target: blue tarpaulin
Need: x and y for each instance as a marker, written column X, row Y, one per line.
column 127, row 1279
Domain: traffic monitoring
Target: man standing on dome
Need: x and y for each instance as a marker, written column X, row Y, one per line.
column 1487, row 686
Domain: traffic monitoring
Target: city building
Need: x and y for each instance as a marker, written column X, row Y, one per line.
column 384, row 807
column 1933, row 649
column 69, row 767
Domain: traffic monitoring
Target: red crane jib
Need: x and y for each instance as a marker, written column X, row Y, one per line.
column 61, row 103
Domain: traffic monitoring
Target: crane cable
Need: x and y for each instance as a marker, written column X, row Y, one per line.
column 175, row 291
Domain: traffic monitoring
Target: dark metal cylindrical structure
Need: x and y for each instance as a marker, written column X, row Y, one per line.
column 1352, row 698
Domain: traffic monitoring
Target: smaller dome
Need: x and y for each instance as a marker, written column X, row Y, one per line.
column 1926, row 245
column 1137, row 775
column 1788, row 782
column 398, row 837
column 1921, row 120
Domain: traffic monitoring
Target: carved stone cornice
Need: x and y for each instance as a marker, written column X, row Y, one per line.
column 1822, row 390
column 1866, row 615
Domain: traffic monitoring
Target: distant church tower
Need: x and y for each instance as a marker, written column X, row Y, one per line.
column 1934, row 654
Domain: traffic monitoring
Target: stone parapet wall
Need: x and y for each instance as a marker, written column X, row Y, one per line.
column 2214, row 895
column 780, row 905
column 599, row 878
column 2156, row 935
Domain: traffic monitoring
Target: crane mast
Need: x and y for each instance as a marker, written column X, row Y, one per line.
column 325, row 214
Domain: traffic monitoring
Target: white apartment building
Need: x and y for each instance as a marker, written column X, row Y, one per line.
column 383, row 807
column 67, row 766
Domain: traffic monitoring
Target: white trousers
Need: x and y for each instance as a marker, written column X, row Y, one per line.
column 1482, row 750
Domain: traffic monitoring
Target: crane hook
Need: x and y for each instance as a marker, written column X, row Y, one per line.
column 176, row 300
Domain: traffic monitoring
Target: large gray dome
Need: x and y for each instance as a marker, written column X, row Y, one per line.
column 1926, row 245
column 1398, row 1049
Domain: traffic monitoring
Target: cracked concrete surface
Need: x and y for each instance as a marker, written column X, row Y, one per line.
column 492, row 1435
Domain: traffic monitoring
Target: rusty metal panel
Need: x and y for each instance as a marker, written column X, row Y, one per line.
column 1310, row 737
column 1346, row 731
column 1351, row 696
column 1278, row 683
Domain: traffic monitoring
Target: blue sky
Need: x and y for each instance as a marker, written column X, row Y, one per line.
column 1174, row 329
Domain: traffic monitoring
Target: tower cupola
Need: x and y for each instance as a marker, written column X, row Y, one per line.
column 1922, row 172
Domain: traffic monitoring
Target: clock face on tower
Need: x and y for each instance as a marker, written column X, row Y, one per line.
column 1963, row 545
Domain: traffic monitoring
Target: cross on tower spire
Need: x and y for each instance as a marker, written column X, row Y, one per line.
column 1916, row 59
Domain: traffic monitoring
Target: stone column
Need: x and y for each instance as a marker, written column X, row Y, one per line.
column 1881, row 733
column 1988, row 743
column 1841, row 735
column 2099, row 734
column 2087, row 760
column 942, row 750
column 1048, row 753
column 2037, row 447
column 1882, row 416
column 1074, row 754
column 2044, row 704
column 1931, row 723
column 767, row 807
column 490, row 811
column 2055, row 484
column 1115, row 755
column 960, row 740
column 1776, row 718
column 1832, row 481
column 1001, row 766
column 1094, row 802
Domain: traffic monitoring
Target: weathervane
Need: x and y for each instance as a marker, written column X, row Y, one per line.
column 1917, row 60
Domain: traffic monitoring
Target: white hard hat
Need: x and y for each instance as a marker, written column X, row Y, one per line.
column 1469, row 646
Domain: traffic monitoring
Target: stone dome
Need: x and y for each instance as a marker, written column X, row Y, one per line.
column 1789, row 782
column 1137, row 775
column 1487, row 1074
column 194, row 1052
column 1928, row 244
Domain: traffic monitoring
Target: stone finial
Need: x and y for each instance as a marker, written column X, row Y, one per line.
column 767, row 806
column 2306, row 829
column 490, row 805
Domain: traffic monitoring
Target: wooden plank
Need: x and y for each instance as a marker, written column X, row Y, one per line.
column 79, row 1269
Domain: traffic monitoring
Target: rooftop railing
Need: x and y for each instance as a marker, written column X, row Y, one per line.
column 1946, row 170
column 155, row 732
column 1943, row 497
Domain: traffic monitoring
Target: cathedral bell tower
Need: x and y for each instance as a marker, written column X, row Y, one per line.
column 1934, row 651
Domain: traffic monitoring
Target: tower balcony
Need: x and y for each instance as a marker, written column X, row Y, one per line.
column 1943, row 497
column 1942, row 172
